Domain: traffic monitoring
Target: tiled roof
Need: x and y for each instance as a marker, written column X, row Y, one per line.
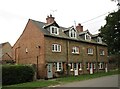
column 62, row 35
column 4, row 43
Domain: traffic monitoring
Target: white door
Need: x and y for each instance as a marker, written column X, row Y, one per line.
column 75, row 68
column 91, row 68
column 49, row 70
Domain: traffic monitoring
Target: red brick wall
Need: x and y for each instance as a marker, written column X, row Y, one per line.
column 31, row 38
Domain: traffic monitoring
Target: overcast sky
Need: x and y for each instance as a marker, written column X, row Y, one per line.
column 14, row 14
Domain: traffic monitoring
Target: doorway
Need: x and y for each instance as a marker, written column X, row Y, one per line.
column 49, row 70
column 75, row 69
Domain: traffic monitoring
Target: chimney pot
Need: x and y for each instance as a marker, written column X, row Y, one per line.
column 79, row 28
column 49, row 19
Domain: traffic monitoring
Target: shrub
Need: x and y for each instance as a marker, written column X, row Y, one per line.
column 13, row 74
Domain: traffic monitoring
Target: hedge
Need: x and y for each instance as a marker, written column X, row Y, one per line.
column 14, row 74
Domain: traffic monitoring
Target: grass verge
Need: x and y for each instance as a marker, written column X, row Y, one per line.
column 46, row 83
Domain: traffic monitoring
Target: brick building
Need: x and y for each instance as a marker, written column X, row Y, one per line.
column 57, row 50
column 5, row 53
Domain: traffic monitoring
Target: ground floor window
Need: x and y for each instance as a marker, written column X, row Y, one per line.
column 58, row 66
column 101, row 65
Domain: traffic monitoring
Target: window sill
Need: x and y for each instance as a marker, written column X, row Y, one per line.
column 101, row 68
column 54, row 34
column 90, row 54
column 102, row 55
column 56, row 51
column 76, row 53
column 74, row 37
column 58, row 70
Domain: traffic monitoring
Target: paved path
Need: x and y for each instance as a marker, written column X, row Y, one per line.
column 106, row 81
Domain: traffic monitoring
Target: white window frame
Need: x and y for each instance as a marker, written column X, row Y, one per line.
column 87, row 37
column 54, row 30
column 99, row 40
column 75, row 50
column 72, row 33
column 59, row 66
column 90, row 50
column 101, row 65
column 56, row 48
column 102, row 52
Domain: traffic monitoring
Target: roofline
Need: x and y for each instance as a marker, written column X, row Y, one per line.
column 75, row 40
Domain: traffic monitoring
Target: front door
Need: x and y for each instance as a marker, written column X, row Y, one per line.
column 49, row 70
column 75, row 68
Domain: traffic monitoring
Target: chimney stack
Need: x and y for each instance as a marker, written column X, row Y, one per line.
column 79, row 28
column 49, row 19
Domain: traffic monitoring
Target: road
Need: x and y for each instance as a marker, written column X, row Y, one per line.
column 106, row 81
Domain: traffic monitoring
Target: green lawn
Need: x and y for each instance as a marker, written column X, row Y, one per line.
column 46, row 83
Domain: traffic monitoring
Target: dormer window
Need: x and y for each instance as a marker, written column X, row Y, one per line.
column 99, row 39
column 72, row 33
column 54, row 30
column 87, row 37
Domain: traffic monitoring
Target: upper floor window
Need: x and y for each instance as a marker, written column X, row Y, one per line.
column 90, row 51
column 75, row 50
column 56, row 48
column 54, row 30
column 102, row 52
column 72, row 33
column 99, row 39
column 87, row 37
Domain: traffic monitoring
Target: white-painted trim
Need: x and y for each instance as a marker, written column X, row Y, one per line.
column 76, row 50
column 73, row 32
column 86, row 37
column 99, row 40
column 101, row 66
column 58, row 66
column 57, row 30
column 102, row 52
column 90, row 50
column 58, row 48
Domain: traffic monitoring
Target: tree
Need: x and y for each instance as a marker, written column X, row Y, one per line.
column 111, row 32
